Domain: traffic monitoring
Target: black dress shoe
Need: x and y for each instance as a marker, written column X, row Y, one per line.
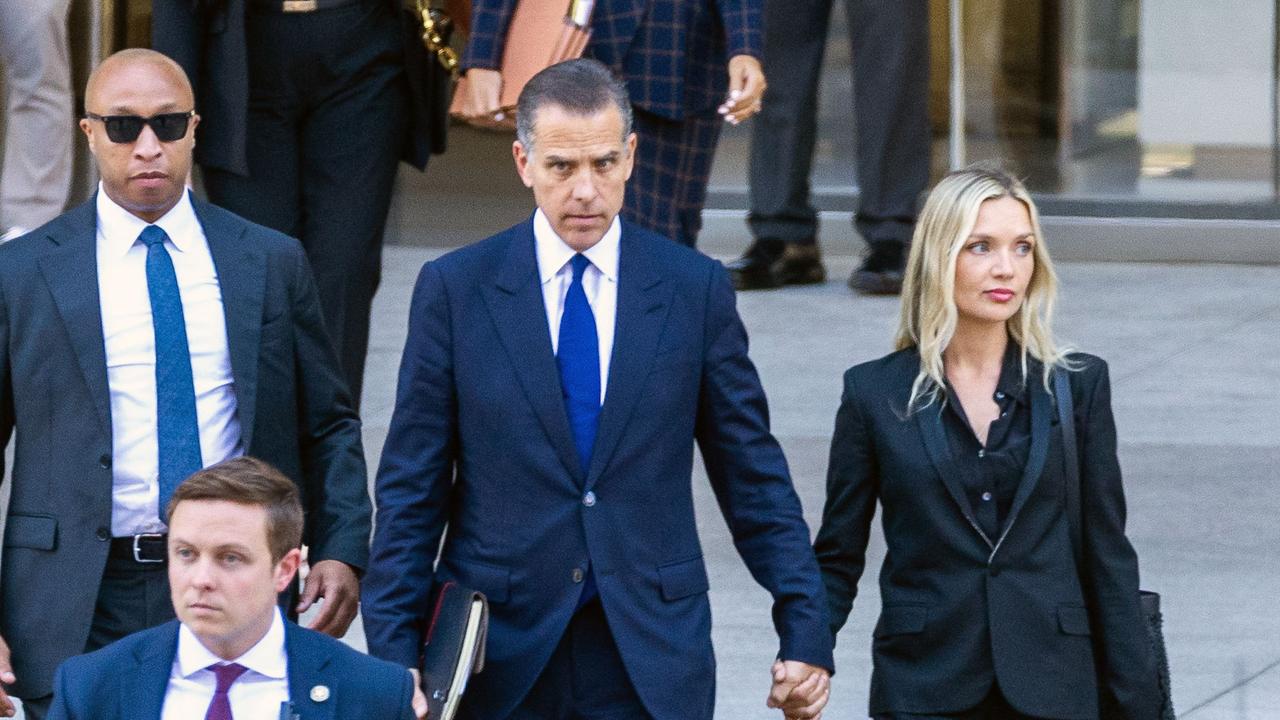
column 771, row 263
column 876, row 282
column 800, row 264
column 754, row 270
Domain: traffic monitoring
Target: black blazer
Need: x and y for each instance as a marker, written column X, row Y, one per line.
column 962, row 610
column 207, row 38
column 292, row 403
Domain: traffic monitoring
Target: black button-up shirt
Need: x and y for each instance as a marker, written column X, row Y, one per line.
column 990, row 474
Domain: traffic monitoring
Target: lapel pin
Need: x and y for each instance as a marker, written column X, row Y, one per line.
column 320, row 693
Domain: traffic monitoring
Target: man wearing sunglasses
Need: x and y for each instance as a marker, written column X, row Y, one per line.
column 143, row 336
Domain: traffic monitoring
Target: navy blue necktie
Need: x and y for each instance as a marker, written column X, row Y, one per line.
column 177, row 429
column 578, row 357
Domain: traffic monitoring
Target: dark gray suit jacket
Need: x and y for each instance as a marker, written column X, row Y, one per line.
column 292, row 404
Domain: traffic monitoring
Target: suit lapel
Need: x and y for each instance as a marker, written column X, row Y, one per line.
column 241, row 272
column 142, row 689
column 929, row 420
column 310, row 693
column 516, row 306
column 1041, row 429
column 70, row 270
column 643, row 301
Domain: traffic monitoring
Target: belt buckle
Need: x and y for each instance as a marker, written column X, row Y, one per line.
column 298, row 6
column 137, row 551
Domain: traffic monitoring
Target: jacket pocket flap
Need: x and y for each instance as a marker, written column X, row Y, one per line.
column 682, row 579
column 38, row 532
column 1073, row 620
column 901, row 620
column 493, row 581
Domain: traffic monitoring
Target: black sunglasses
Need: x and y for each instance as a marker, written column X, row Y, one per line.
column 126, row 128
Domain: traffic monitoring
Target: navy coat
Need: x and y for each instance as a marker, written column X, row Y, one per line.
column 480, row 451
column 127, row 680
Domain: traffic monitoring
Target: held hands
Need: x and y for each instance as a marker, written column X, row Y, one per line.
column 800, row 690
column 746, row 88
column 336, row 582
column 7, row 708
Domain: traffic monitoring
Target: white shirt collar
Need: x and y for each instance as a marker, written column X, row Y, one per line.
column 267, row 657
column 121, row 228
column 553, row 253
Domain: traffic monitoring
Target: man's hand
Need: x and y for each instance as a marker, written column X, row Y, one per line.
column 336, row 582
column 800, row 690
column 419, row 700
column 746, row 88
column 7, row 677
column 481, row 103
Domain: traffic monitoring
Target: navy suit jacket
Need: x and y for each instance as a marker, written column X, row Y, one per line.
column 291, row 401
column 128, row 679
column 962, row 610
column 480, row 443
column 672, row 54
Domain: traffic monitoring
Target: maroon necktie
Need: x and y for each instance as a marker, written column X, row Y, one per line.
column 220, row 706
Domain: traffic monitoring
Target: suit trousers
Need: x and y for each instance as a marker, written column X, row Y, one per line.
column 132, row 597
column 668, row 186
column 890, row 45
column 40, row 124
column 585, row 678
column 328, row 109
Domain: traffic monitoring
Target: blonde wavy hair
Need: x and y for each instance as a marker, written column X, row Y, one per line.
column 928, row 315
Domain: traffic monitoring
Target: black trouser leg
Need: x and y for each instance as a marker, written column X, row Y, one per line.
column 328, row 110
column 784, row 132
column 891, row 85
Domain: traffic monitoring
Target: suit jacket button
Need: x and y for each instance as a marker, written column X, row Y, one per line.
column 589, row 499
column 105, row 462
column 578, row 575
column 995, row 571
column 103, row 534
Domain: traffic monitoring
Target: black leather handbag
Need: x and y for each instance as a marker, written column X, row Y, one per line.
column 1150, row 600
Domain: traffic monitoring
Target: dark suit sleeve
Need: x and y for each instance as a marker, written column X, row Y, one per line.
column 489, row 20
column 333, row 467
column 1125, row 663
column 59, row 709
column 415, row 480
column 743, row 23
column 852, row 489
column 406, row 698
column 753, row 485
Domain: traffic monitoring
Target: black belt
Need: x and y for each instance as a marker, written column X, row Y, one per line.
column 146, row 548
column 299, row 6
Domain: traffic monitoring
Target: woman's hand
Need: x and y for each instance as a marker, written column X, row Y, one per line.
column 746, row 88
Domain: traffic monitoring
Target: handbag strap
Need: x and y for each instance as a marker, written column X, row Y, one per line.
column 1070, row 452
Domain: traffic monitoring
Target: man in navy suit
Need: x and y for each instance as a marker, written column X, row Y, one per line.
column 553, row 383
column 234, row 531
column 144, row 335
column 690, row 65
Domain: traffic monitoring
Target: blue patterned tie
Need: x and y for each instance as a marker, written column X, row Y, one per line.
column 177, row 429
column 578, row 357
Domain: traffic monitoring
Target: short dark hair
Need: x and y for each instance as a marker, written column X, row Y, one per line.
column 250, row 481
column 581, row 87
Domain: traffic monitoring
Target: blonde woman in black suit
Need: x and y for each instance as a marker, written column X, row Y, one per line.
column 985, row 612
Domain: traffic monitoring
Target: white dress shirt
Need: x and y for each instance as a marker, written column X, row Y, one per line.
column 131, row 355
column 257, row 693
column 599, row 282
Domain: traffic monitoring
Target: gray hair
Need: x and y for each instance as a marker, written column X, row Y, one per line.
column 580, row 87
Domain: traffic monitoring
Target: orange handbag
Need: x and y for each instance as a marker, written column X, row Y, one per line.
column 541, row 34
